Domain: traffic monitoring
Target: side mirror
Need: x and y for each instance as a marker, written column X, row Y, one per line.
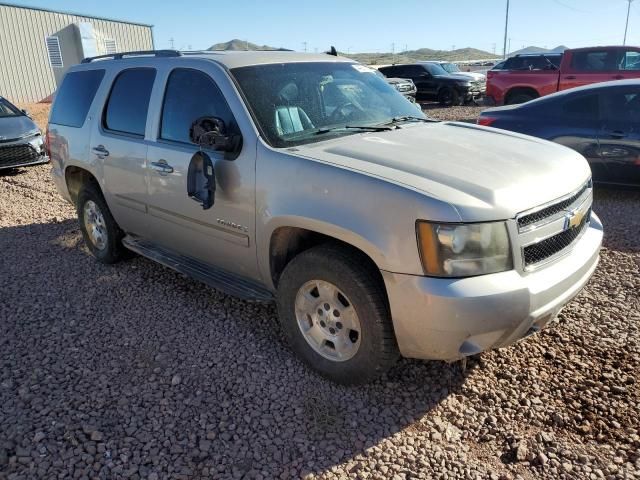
column 201, row 180
column 211, row 132
column 25, row 112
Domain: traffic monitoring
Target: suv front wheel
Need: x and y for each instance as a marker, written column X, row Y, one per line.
column 100, row 231
column 334, row 312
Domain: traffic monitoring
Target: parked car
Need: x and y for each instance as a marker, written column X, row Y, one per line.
column 526, row 77
column 601, row 121
column 20, row 139
column 307, row 179
column 405, row 86
column 455, row 70
column 434, row 83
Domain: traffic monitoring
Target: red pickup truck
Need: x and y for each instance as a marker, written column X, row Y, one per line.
column 525, row 77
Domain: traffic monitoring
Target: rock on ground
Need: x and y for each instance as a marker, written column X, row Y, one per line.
column 132, row 371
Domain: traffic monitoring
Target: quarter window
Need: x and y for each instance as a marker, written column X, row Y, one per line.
column 128, row 103
column 191, row 94
column 73, row 99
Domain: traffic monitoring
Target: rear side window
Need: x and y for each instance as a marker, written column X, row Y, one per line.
column 191, row 94
column 595, row 61
column 74, row 97
column 128, row 104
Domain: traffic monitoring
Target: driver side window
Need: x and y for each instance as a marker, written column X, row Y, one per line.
column 189, row 95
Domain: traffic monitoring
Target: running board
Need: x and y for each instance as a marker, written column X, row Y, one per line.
column 214, row 277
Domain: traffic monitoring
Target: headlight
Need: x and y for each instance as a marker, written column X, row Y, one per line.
column 463, row 250
column 465, row 84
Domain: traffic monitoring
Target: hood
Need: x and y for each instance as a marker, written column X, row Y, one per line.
column 16, row 127
column 475, row 75
column 484, row 173
column 458, row 77
column 394, row 81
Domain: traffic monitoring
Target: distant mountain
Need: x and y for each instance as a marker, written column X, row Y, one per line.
column 421, row 54
column 532, row 49
column 236, row 44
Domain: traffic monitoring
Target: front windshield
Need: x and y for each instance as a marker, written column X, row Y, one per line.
column 8, row 110
column 297, row 103
column 451, row 67
column 435, row 69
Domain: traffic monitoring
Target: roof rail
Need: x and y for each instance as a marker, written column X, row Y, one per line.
column 140, row 53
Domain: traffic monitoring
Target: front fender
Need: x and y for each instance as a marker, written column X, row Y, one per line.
column 370, row 213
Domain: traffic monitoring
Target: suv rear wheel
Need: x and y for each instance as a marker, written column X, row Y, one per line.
column 334, row 312
column 100, row 231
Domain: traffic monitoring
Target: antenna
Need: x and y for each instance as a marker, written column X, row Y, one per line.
column 626, row 27
column 506, row 30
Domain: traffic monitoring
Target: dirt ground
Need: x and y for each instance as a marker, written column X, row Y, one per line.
column 133, row 371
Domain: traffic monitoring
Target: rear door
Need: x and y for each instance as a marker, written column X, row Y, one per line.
column 584, row 67
column 619, row 136
column 118, row 141
column 224, row 234
column 578, row 127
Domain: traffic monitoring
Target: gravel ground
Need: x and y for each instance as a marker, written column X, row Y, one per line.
column 132, row 371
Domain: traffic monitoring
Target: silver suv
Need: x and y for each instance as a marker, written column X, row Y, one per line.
column 308, row 180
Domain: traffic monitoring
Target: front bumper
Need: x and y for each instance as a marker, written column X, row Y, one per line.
column 448, row 319
column 23, row 152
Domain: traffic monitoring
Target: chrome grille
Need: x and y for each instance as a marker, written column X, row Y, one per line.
column 17, row 154
column 549, row 230
column 547, row 248
column 552, row 210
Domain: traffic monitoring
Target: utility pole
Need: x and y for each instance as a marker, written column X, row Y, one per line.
column 506, row 32
column 393, row 53
column 494, row 48
column 305, row 46
column 171, row 42
column 626, row 27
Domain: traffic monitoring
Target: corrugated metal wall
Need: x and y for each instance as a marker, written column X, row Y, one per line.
column 25, row 73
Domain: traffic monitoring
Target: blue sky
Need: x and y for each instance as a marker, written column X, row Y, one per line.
column 372, row 25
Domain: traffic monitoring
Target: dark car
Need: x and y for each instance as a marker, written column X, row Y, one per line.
column 601, row 121
column 402, row 85
column 21, row 142
column 434, row 83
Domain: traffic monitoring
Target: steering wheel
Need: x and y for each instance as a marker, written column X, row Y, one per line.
column 340, row 114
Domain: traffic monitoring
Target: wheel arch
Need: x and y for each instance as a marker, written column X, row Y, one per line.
column 520, row 90
column 287, row 241
column 75, row 177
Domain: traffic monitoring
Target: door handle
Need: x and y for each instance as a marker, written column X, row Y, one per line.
column 617, row 77
column 100, row 151
column 570, row 77
column 162, row 167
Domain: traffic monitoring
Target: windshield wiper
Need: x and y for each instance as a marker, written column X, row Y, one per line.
column 409, row 118
column 366, row 128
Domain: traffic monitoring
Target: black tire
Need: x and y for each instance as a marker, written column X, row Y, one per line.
column 518, row 98
column 448, row 97
column 352, row 274
column 113, row 251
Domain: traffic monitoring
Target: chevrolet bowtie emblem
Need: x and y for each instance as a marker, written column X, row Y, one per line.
column 575, row 217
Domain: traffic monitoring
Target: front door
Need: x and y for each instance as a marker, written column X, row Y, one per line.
column 118, row 141
column 223, row 235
